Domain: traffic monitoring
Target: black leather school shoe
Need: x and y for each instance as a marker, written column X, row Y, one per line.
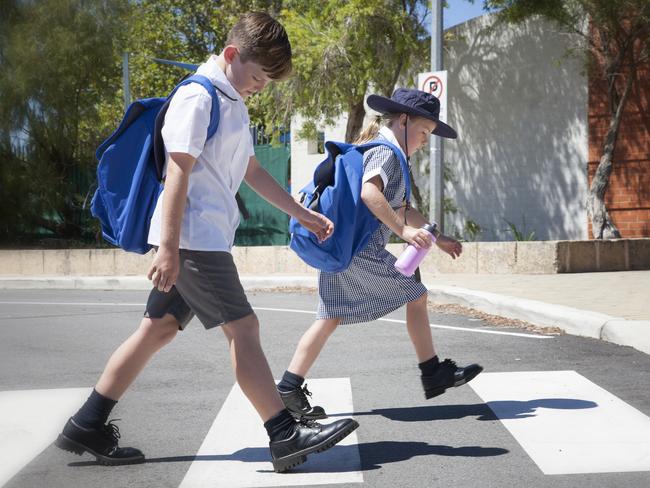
column 298, row 405
column 448, row 375
column 101, row 443
column 308, row 437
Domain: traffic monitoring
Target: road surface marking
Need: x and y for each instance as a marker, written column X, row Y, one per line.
column 235, row 452
column 566, row 423
column 26, row 428
column 288, row 310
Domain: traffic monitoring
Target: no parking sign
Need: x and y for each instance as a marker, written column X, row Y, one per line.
column 435, row 82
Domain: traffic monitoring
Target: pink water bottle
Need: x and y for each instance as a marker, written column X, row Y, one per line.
column 411, row 258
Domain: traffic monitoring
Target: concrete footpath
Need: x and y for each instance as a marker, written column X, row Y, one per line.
column 612, row 306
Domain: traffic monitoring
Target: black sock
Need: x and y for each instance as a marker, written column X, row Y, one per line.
column 430, row 366
column 290, row 381
column 94, row 413
column 280, row 426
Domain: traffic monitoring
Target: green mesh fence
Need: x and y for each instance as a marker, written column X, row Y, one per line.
column 266, row 226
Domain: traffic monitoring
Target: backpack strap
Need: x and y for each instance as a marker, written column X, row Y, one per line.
column 402, row 162
column 159, row 145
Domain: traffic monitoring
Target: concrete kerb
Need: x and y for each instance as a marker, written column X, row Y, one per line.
column 634, row 333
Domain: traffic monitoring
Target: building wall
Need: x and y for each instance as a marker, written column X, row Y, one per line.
column 303, row 159
column 521, row 114
column 628, row 194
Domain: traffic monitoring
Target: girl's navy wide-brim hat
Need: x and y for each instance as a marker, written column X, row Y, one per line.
column 413, row 102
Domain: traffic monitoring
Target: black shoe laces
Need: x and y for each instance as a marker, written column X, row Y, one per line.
column 112, row 430
column 304, row 393
column 450, row 363
column 308, row 422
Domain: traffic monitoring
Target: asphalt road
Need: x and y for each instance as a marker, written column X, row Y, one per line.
column 55, row 340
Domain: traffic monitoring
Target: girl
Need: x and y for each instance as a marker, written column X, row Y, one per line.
column 371, row 287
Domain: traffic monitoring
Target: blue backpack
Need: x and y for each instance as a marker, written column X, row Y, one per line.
column 130, row 170
column 336, row 193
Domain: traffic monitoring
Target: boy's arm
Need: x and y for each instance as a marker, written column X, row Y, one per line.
column 165, row 266
column 265, row 185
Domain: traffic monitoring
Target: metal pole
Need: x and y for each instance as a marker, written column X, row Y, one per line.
column 436, row 149
column 125, row 80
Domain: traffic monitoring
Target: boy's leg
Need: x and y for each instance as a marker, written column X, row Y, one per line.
column 87, row 430
column 293, row 394
column 436, row 376
column 251, row 368
column 132, row 356
column 290, row 442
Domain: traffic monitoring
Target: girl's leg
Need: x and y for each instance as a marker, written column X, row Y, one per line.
column 419, row 329
column 311, row 344
column 293, row 394
column 436, row 376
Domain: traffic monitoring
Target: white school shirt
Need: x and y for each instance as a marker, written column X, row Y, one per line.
column 211, row 213
column 387, row 134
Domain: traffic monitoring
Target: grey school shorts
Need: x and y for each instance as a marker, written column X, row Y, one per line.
column 208, row 286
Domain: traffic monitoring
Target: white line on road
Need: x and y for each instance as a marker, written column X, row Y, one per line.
column 291, row 310
column 566, row 423
column 26, row 428
column 478, row 331
column 235, row 451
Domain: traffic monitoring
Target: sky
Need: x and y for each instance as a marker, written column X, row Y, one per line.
column 459, row 11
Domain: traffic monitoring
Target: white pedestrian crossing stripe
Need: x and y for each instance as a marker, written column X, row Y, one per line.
column 26, row 427
column 235, row 451
column 566, row 423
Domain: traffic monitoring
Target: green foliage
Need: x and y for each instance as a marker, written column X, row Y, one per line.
column 187, row 31
column 342, row 50
column 59, row 60
column 520, row 235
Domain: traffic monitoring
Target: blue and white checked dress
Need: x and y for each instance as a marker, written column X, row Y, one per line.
column 371, row 287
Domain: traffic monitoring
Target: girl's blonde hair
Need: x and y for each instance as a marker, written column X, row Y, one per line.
column 371, row 130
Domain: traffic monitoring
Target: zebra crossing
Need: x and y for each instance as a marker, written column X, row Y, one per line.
column 562, row 426
column 564, row 422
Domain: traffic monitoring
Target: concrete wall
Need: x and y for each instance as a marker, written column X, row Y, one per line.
column 541, row 257
column 521, row 114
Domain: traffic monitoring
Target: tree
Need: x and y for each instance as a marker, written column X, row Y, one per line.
column 344, row 49
column 58, row 61
column 188, row 31
column 615, row 34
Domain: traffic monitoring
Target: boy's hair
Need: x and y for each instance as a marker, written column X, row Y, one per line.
column 262, row 40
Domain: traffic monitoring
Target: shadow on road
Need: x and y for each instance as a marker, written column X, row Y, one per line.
column 373, row 455
column 497, row 410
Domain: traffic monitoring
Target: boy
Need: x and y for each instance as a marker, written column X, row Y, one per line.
column 193, row 272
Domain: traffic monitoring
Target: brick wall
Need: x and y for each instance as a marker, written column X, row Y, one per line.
column 628, row 194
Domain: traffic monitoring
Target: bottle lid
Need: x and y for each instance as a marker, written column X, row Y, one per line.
column 431, row 228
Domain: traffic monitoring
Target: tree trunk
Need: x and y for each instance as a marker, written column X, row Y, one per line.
column 602, row 226
column 356, row 115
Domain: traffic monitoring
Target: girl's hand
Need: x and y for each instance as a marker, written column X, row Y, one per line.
column 449, row 245
column 420, row 238
column 318, row 224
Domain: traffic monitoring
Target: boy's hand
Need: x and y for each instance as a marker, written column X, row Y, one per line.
column 420, row 238
column 317, row 223
column 164, row 269
column 449, row 245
